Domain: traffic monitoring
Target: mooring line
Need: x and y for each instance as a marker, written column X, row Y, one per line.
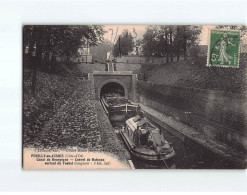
column 165, row 164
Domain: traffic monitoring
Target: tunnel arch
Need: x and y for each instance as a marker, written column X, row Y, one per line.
column 119, row 82
column 112, row 87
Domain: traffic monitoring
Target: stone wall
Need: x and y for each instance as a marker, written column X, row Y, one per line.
column 128, row 67
column 219, row 115
column 142, row 59
column 124, row 78
column 89, row 68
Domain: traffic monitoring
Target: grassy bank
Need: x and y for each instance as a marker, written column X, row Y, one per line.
column 52, row 91
column 194, row 73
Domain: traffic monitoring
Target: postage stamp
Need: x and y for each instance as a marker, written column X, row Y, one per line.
column 223, row 48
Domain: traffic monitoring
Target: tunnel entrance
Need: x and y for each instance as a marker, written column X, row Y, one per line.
column 112, row 87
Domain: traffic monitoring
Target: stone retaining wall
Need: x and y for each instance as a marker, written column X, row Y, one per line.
column 219, row 115
column 89, row 68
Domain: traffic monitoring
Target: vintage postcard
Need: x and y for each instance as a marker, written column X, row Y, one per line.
column 134, row 97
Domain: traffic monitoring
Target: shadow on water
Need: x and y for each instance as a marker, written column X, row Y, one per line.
column 187, row 157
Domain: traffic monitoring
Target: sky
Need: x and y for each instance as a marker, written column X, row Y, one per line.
column 138, row 31
column 113, row 31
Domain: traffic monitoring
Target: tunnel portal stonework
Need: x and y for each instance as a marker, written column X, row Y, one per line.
column 125, row 78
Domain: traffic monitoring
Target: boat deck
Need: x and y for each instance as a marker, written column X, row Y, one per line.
column 145, row 150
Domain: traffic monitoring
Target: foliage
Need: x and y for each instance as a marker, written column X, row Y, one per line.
column 138, row 45
column 63, row 40
column 194, row 52
column 170, row 40
column 51, row 40
column 152, row 43
column 99, row 52
column 124, row 44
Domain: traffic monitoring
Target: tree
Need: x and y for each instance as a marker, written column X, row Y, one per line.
column 169, row 40
column 178, row 41
column 138, row 45
column 99, row 52
column 63, row 40
column 124, row 44
column 151, row 42
column 171, row 37
column 186, row 37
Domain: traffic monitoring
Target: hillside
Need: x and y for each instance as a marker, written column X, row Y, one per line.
column 52, row 91
column 195, row 73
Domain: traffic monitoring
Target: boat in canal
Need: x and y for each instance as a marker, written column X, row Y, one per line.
column 145, row 141
column 118, row 108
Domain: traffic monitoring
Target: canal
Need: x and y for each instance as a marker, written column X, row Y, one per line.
column 187, row 156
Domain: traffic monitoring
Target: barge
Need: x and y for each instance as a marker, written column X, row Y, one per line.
column 118, row 108
column 145, row 141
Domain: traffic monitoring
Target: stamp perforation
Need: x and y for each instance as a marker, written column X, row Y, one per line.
column 210, row 52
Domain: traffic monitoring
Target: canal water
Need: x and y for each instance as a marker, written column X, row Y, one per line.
column 187, row 156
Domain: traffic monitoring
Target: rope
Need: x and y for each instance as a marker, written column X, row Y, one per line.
column 165, row 164
column 163, row 160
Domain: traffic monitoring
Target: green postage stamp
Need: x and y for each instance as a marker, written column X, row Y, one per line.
column 223, row 48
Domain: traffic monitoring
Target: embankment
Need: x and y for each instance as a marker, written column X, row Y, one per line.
column 64, row 114
column 218, row 115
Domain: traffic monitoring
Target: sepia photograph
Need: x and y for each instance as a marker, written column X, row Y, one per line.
column 134, row 97
column 123, row 96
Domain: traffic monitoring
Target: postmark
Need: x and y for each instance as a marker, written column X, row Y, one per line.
column 223, row 48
